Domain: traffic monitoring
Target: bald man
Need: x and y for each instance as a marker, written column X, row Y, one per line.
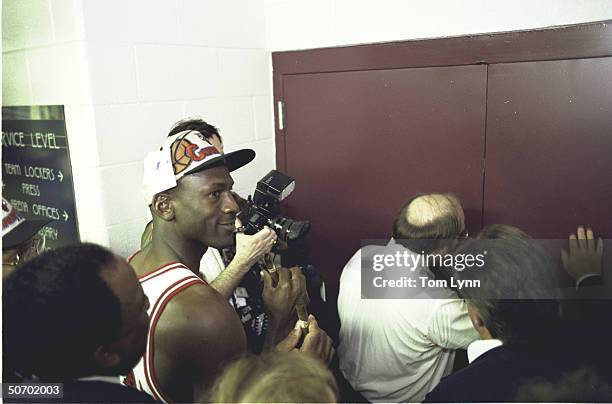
column 398, row 350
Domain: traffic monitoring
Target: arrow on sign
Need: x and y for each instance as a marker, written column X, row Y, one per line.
column 65, row 216
column 61, row 176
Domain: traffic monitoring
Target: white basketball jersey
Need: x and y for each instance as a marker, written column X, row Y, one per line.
column 160, row 286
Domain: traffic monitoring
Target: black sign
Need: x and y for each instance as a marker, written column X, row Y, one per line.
column 36, row 171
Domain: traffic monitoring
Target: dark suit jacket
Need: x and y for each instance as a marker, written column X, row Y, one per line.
column 495, row 376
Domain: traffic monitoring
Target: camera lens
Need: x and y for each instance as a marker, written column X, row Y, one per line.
column 289, row 230
column 297, row 230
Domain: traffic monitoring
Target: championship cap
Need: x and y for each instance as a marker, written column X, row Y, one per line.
column 15, row 229
column 182, row 154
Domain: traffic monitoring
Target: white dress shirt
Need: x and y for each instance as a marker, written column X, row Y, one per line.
column 481, row 346
column 397, row 350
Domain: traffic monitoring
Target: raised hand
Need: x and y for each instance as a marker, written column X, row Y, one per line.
column 585, row 254
column 281, row 296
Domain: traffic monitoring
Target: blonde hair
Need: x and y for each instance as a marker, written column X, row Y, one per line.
column 276, row 377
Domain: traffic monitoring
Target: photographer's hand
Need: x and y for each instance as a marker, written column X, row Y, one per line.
column 280, row 299
column 585, row 255
column 249, row 249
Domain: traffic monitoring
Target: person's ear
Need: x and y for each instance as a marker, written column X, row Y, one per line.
column 105, row 358
column 475, row 317
column 477, row 321
column 163, row 206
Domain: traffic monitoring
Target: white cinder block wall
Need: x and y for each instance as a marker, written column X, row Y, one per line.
column 44, row 62
column 153, row 62
column 292, row 24
column 127, row 69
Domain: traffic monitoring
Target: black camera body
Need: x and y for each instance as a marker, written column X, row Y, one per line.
column 263, row 208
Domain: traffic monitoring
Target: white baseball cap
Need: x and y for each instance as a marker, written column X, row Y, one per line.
column 182, row 154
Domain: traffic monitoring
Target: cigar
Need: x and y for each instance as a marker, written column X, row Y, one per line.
column 300, row 306
column 268, row 262
column 302, row 313
column 274, row 275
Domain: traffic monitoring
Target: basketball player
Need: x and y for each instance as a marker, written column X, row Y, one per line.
column 194, row 331
column 212, row 136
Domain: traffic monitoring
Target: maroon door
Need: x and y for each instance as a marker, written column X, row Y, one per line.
column 549, row 146
column 369, row 125
column 360, row 143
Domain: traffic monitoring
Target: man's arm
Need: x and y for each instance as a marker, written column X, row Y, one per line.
column 451, row 326
column 226, row 282
column 249, row 249
column 198, row 334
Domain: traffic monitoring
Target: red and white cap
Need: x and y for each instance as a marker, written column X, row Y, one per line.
column 182, row 154
column 15, row 229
